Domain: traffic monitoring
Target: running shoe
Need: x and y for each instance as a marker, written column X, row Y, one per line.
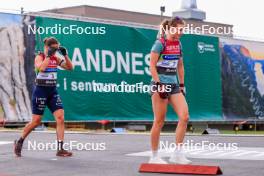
column 63, row 153
column 179, row 158
column 18, row 148
column 157, row 160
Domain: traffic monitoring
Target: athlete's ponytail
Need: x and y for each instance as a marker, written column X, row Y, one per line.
column 164, row 26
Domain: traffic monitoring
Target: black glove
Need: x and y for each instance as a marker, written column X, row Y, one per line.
column 162, row 93
column 63, row 50
column 51, row 51
column 183, row 90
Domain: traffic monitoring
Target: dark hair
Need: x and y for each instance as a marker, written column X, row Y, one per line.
column 168, row 23
column 50, row 41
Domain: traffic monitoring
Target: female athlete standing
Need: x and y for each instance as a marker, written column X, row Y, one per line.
column 167, row 71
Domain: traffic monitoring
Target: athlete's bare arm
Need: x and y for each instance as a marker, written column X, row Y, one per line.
column 154, row 57
column 41, row 64
column 65, row 64
column 181, row 71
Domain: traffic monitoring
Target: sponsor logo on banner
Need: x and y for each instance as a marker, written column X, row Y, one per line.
column 205, row 47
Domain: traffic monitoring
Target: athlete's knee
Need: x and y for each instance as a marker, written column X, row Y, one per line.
column 159, row 123
column 60, row 119
column 59, row 116
column 36, row 121
column 184, row 117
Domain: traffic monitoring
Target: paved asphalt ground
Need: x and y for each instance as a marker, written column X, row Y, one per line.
column 115, row 161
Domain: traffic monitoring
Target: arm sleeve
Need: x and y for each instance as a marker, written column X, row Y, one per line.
column 157, row 47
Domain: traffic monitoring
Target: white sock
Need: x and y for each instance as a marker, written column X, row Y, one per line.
column 154, row 153
column 178, row 150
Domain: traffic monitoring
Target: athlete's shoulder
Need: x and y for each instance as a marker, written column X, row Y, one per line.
column 161, row 39
column 40, row 55
column 157, row 46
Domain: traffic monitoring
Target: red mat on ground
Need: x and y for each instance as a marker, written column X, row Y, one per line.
column 180, row 169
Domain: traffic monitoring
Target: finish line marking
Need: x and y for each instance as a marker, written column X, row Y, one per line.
column 6, row 142
column 242, row 153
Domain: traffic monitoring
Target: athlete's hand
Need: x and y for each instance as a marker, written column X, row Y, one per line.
column 63, row 50
column 183, row 89
column 162, row 90
column 51, row 51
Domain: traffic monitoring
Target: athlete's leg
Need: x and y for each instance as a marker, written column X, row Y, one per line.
column 159, row 107
column 55, row 105
column 180, row 106
column 39, row 102
column 18, row 144
column 36, row 120
column 38, row 106
column 59, row 117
